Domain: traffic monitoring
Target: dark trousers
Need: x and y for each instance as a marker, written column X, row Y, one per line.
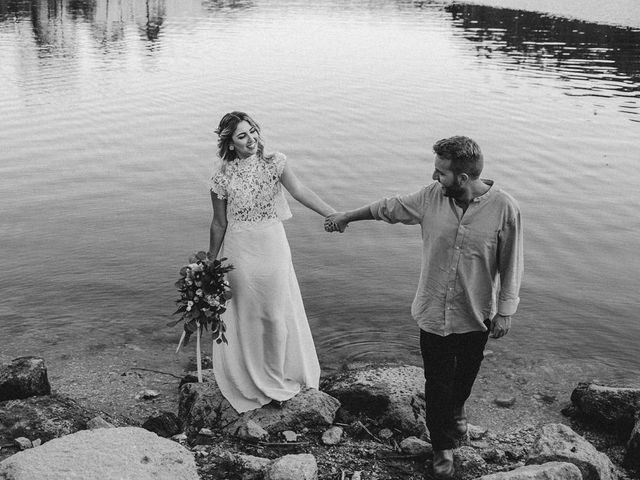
column 451, row 365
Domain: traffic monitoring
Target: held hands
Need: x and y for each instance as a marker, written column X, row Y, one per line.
column 500, row 326
column 336, row 222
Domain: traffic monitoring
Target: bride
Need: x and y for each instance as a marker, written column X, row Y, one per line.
column 270, row 353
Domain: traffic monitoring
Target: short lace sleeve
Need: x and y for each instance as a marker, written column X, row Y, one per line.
column 280, row 160
column 218, row 184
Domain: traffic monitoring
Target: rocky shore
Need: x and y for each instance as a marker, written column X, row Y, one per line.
column 365, row 422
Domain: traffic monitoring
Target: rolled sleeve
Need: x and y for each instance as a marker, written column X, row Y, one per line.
column 407, row 209
column 511, row 265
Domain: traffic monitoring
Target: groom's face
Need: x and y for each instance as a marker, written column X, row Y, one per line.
column 448, row 180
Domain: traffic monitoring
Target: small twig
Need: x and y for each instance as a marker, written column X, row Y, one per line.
column 281, row 444
column 155, row 371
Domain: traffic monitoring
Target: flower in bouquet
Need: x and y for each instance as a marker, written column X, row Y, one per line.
column 203, row 295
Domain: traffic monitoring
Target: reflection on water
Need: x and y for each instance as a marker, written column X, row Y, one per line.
column 106, row 118
column 591, row 60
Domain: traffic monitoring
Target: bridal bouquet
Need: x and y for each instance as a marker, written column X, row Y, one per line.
column 203, row 295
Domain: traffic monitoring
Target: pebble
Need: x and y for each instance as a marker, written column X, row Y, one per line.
column 147, row 394
column 36, row 443
column 290, row 436
column 385, row 434
column 332, row 436
column 180, row 437
column 22, row 443
column 505, row 402
column 205, row 432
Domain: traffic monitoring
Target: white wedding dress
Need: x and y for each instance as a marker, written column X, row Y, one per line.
column 270, row 354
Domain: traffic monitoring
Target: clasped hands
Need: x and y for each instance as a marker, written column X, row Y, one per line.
column 336, row 222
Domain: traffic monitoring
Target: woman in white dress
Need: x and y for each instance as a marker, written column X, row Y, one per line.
column 270, row 353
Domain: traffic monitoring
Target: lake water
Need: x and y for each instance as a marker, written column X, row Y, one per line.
column 107, row 112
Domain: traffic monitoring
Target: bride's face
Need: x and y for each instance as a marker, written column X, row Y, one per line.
column 245, row 139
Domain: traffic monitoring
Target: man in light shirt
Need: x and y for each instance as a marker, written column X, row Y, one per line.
column 472, row 264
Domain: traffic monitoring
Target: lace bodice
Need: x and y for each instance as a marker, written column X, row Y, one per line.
column 252, row 189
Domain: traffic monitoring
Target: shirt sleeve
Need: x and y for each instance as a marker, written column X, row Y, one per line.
column 218, row 184
column 510, row 263
column 407, row 209
column 280, row 161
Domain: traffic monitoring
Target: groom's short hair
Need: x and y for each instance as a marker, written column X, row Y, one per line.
column 465, row 155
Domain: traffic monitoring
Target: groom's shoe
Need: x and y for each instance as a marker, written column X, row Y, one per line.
column 443, row 464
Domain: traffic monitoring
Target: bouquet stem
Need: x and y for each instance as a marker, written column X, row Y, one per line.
column 198, row 354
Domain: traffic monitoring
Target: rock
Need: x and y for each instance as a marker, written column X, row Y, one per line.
column 22, row 378
column 103, row 453
column 559, row 443
column 415, row 447
column 612, row 406
column 203, row 405
column 357, row 475
column 180, row 437
column 546, row 471
column 292, row 467
column 98, row 422
column 36, row 443
column 252, row 431
column 290, row 436
column 165, row 424
column 22, row 443
column 475, row 432
column 468, row 463
column 385, row 434
column 332, row 436
column 505, row 402
column 393, row 395
column 207, row 432
column 249, row 464
column 44, row 417
column 494, row 455
column 147, row 394
column 632, row 455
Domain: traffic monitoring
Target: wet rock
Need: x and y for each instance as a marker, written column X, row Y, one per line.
column 546, row 471
column 632, row 455
column 203, row 405
column 393, row 395
column 103, row 453
column 165, row 424
column 22, row 378
column 415, row 447
column 612, row 406
column 292, row 467
column 98, row 422
column 332, row 436
column 468, row 463
column 559, row 443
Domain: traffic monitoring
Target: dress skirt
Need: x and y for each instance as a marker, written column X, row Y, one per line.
column 270, row 354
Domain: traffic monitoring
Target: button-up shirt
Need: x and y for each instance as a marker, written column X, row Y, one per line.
column 472, row 262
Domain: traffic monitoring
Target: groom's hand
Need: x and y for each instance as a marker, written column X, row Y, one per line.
column 336, row 222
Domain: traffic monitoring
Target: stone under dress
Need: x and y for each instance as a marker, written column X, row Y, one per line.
column 270, row 352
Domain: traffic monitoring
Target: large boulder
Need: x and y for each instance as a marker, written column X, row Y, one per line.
column 559, row 443
column 392, row 395
column 103, row 453
column 203, row 405
column 22, row 378
column 632, row 455
column 45, row 418
column 546, row 471
column 615, row 407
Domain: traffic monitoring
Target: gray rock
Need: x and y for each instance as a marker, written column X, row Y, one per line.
column 632, row 455
column 292, row 467
column 252, row 431
column 203, row 405
column 22, row 443
column 559, row 443
column 98, row 422
column 103, row 453
column 468, row 463
column 393, row 395
column 612, row 406
column 475, row 432
column 22, row 378
column 546, row 471
column 147, row 394
column 250, row 465
column 415, row 447
column 165, row 424
column 332, row 436
column 290, row 436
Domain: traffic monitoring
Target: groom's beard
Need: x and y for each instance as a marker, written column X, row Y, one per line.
column 455, row 191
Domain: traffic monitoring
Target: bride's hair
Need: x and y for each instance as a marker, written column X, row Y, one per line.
column 227, row 126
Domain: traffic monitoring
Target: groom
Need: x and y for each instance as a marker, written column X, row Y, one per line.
column 472, row 266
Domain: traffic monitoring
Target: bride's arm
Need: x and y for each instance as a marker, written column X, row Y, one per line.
column 304, row 194
column 218, row 225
